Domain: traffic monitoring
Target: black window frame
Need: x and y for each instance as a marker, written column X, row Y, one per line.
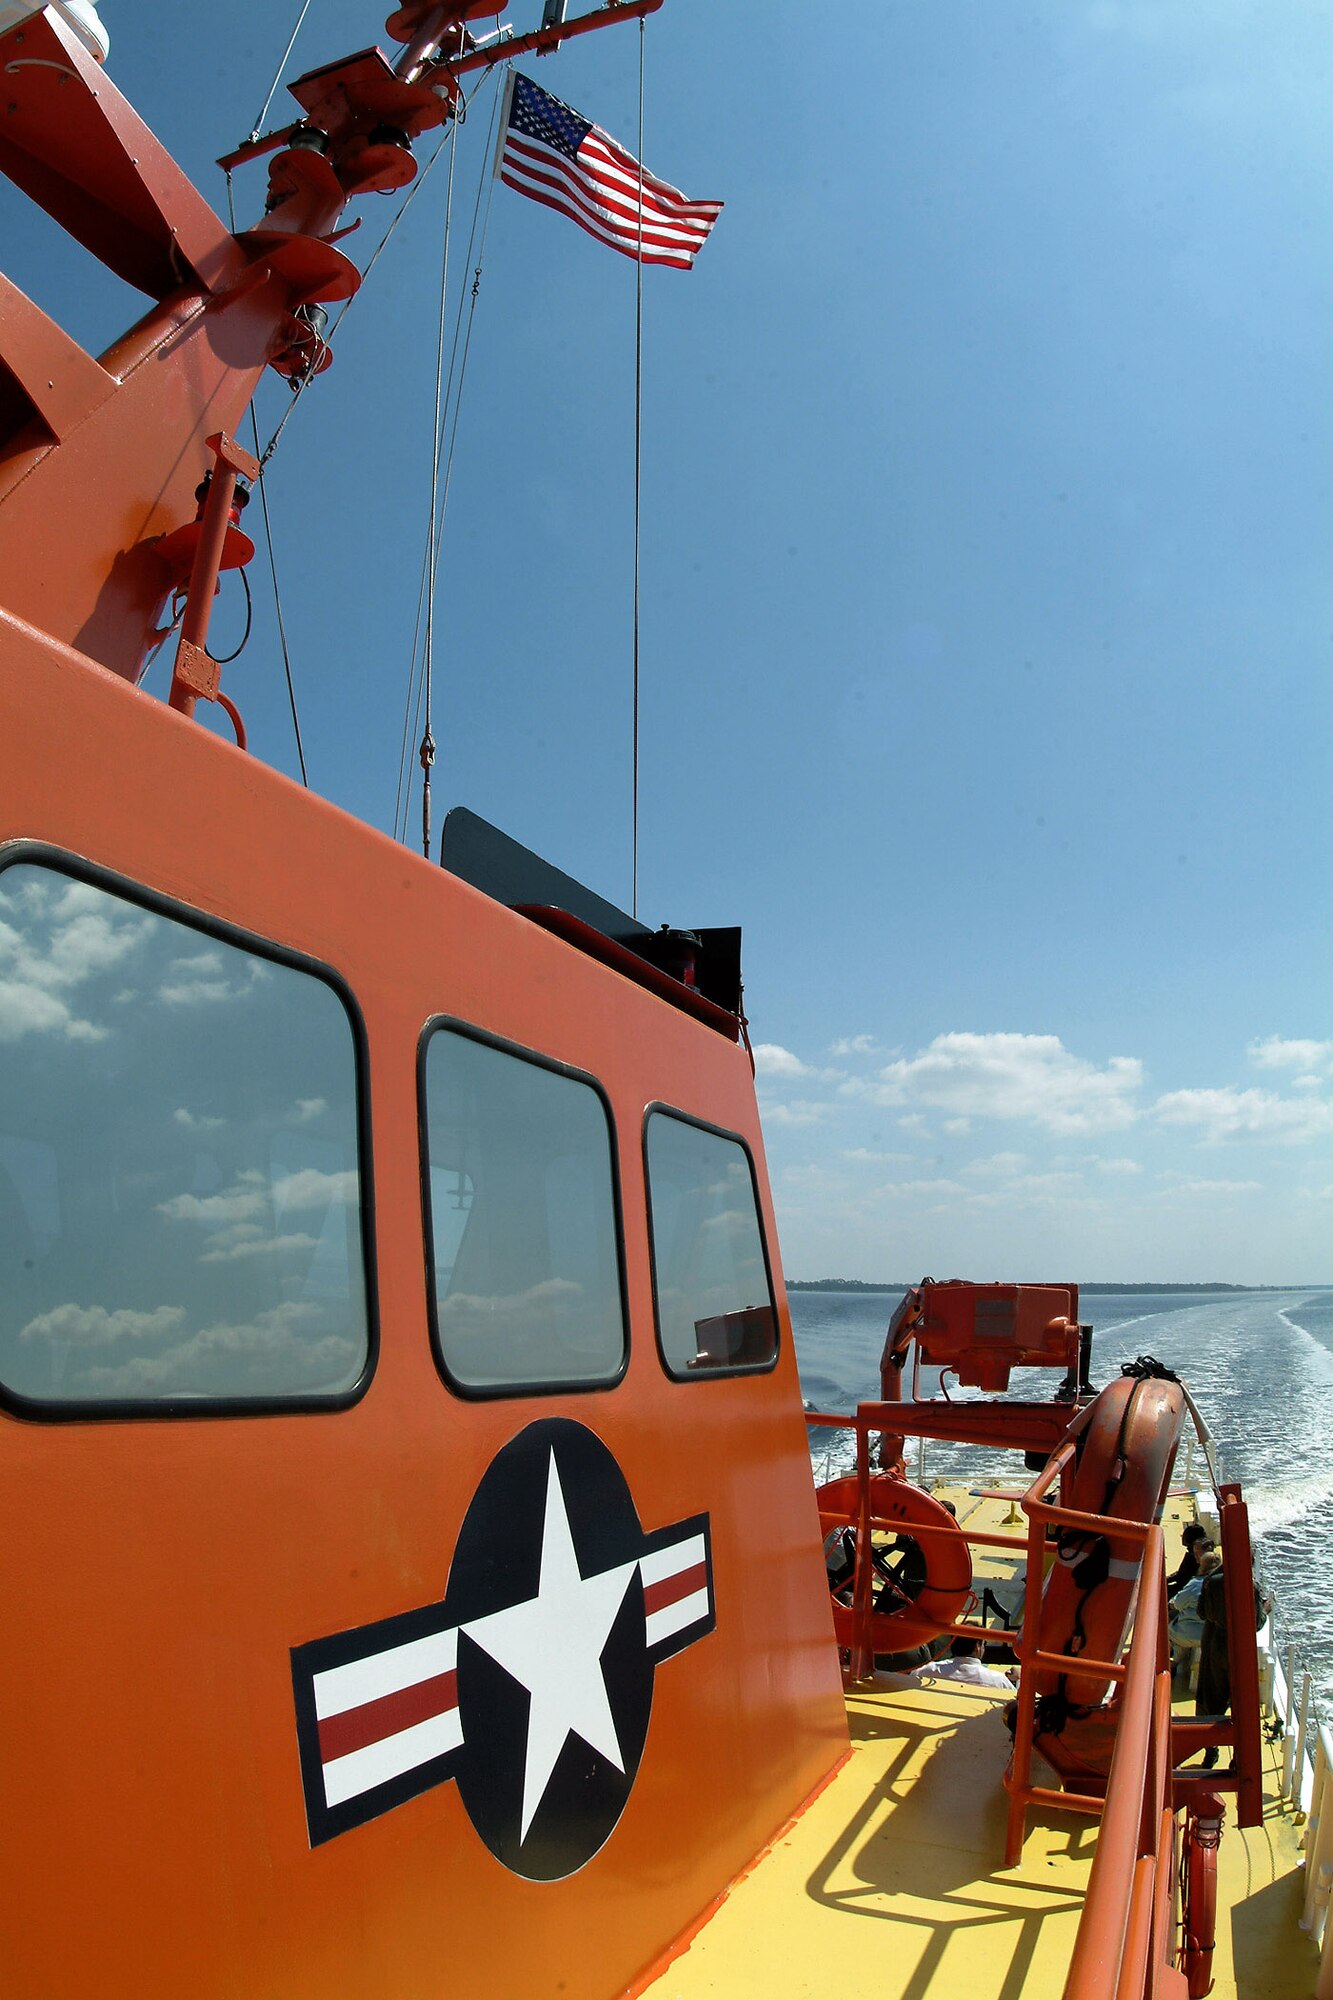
column 693, row 1377
column 472, row 1392
column 202, row 1409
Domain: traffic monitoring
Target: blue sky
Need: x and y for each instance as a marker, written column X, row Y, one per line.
column 986, row 616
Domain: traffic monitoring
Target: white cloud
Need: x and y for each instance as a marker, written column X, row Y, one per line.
column 853, row 1045
column 89, row 943
column 1209, row 1190
column 245, row 1219
column 35, row 975
column 313, row 1189
column 279, row 1348
column 1003, row 1165
column 193, row 1123
column 246, row 1198
column 1228, row 1113
column 1029, row 1077
column 308, row 1108
column 94, row 1326
column 1040, row 1186
column 1276, row 1052
column 865, row 1156
column 248, row 1244
column 1115, row 1166
column 193, row 992
column 26, row 1009
column 796, row 1114
column 772, row 1060
column 922, row 1189
column 202, row 980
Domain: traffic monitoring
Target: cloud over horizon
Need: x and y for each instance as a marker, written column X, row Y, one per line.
column 1032, row 1078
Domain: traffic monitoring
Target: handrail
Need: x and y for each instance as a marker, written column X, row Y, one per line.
column 1126, row 1937
column 1121, row 1930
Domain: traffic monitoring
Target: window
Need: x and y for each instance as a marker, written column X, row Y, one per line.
column 710, row 1276
column 180, row 1190
column 523, row 1225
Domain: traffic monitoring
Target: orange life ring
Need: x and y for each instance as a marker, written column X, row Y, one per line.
column 1124, row 1469
column 934, row 1605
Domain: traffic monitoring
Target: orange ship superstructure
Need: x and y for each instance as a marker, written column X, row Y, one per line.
column 414, row 1578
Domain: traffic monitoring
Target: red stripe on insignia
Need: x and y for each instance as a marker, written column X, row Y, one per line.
column 671, row 1589
column 339, row 1735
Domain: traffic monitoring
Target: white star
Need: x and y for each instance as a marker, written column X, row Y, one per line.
column 552, row 1645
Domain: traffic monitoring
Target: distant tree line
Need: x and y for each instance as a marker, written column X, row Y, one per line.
column 864, row 1285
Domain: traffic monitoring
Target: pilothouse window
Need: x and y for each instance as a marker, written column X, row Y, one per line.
column 710, row 1276
column 180, row 1190
column 523, row 1222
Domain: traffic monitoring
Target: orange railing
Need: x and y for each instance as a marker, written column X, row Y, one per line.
column 1126, row 1937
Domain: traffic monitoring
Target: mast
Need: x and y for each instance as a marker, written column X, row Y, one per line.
column 106, row 464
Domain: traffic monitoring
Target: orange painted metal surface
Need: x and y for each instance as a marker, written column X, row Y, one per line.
column 898, row 1507
column 158, row 1572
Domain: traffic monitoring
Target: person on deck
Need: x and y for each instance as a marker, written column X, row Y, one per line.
column 964, row 1664
column 1186, row 1627
column 1213, row 1696
column 1195, row 1537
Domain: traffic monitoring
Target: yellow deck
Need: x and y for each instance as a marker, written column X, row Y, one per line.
column 890, row 1884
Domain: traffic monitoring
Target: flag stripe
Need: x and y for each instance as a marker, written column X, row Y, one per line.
column 682, row 259
column 612, row 164
column 354, row 1728
column 657, row 1596
column 361, row 1770
column 543, row 164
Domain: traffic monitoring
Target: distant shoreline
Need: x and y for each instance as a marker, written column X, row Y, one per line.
column 863, row 1285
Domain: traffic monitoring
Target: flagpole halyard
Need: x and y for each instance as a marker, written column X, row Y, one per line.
column 502, row 137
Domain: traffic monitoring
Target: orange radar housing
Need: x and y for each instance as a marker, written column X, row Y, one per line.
column 981, row 1332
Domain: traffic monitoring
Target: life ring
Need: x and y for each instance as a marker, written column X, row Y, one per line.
column 926, row 1607
column 1198, row 1904
column 1129, row 1448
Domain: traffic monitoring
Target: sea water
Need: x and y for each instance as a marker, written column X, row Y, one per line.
column 1258, row 1364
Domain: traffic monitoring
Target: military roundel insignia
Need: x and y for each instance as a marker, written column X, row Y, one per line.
column 531, row 1683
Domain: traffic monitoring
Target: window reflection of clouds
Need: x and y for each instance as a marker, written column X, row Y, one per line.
column 523, row 1220
column 198, row 1185
column 708, row 1254
column 54, row 939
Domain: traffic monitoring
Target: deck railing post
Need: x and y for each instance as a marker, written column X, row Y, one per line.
column 1323, row 1986
column 1298, row 1777
column 1288, row 1728
column 1318, row 1841
column 862, row 1663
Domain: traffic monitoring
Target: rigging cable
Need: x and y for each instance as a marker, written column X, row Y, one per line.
column 299, row 387
column 277, row 74
column 277, row 603
column 426, row 752
column 448, row 408
column 303, row 381
column 638, row 437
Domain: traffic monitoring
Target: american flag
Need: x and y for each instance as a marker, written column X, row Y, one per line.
column 554, row 156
